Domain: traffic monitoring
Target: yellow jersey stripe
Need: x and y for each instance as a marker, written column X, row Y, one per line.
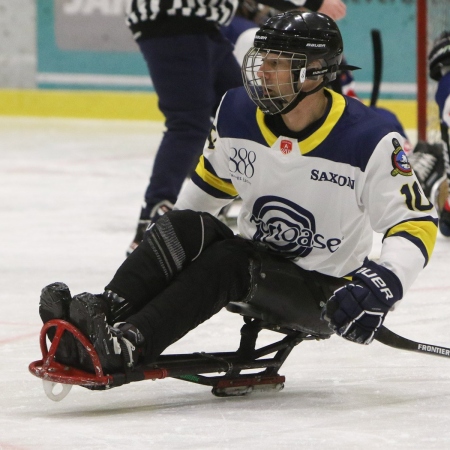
column 425, row 231
column 213, row 180
column 267, row 134
column 337, row 109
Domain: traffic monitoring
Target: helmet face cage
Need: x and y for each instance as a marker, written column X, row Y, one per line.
column 276, row 84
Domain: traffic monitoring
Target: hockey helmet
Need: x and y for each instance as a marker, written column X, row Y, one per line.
column 439, row 56
column 292, row 40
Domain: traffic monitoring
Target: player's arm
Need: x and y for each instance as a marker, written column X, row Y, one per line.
column 210, row 188
column 206, row 191
column 399, row 209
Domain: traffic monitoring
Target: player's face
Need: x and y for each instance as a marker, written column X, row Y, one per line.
column 276, row 76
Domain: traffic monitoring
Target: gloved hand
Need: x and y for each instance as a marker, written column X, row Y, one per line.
column 357, row 310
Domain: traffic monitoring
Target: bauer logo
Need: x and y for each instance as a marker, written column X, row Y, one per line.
column 312, row 44
column 400, row 161
column 286, row 227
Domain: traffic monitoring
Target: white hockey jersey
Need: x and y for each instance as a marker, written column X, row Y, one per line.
column 317, row 201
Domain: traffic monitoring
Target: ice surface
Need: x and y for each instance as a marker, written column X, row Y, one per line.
column 69, row 201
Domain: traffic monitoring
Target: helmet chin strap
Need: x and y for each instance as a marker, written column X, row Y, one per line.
column 301, row 96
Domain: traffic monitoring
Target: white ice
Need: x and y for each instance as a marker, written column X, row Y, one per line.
column 69, row 200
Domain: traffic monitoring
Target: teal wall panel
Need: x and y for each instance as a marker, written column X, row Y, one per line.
column 86, row 44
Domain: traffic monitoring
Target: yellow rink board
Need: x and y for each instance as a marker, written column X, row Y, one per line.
column 125, row 105
column 80, row 104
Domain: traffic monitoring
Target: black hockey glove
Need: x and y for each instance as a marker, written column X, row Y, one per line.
column 357, row 310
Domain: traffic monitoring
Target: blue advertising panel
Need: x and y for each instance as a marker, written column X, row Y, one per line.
column 85, row 44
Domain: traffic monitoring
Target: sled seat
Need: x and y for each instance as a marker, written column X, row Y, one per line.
column 282, row 295
column 274, row 322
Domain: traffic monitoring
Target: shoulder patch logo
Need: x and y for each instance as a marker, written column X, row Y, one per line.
column 285, row 146
column 400, row 161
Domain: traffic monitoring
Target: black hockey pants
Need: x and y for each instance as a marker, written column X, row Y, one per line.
column 188, row 267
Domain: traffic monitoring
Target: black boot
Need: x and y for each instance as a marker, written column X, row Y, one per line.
column 54, row 304
column 116, row 352
column 131, row 341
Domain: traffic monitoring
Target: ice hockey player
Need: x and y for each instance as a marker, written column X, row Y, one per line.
column 431, row 162
column 317, row 173
column 182, row 46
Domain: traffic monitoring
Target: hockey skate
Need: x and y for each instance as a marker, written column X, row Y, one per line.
column 429, row 164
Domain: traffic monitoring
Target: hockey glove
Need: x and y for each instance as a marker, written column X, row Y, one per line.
column 357, row 310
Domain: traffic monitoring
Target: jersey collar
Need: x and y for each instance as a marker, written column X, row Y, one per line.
column 317, row 137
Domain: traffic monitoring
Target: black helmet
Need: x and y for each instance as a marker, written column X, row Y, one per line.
column 439, row 56
column 302, row 37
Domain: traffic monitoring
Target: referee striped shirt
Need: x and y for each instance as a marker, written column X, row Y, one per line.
column 148, row 18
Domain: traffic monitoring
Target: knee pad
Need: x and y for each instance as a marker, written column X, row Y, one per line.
column 180, row 236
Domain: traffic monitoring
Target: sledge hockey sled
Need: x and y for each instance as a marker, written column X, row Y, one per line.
column 249, row 368
column 264, row 362
column 268, row 306
column 228, row 366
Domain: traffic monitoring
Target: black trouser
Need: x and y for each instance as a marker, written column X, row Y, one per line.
column 188, row 267
column 190, row 74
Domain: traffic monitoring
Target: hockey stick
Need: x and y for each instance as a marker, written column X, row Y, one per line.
column 387, row 337
column 377, row 65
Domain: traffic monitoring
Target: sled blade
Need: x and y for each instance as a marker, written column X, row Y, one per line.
column 245, row 385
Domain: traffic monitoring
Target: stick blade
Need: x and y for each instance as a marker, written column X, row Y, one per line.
column 389, row 338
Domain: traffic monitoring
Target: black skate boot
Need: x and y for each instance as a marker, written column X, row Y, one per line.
column 116, row 352
column 131, row 341
column 428, row 162
column 54, row 304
